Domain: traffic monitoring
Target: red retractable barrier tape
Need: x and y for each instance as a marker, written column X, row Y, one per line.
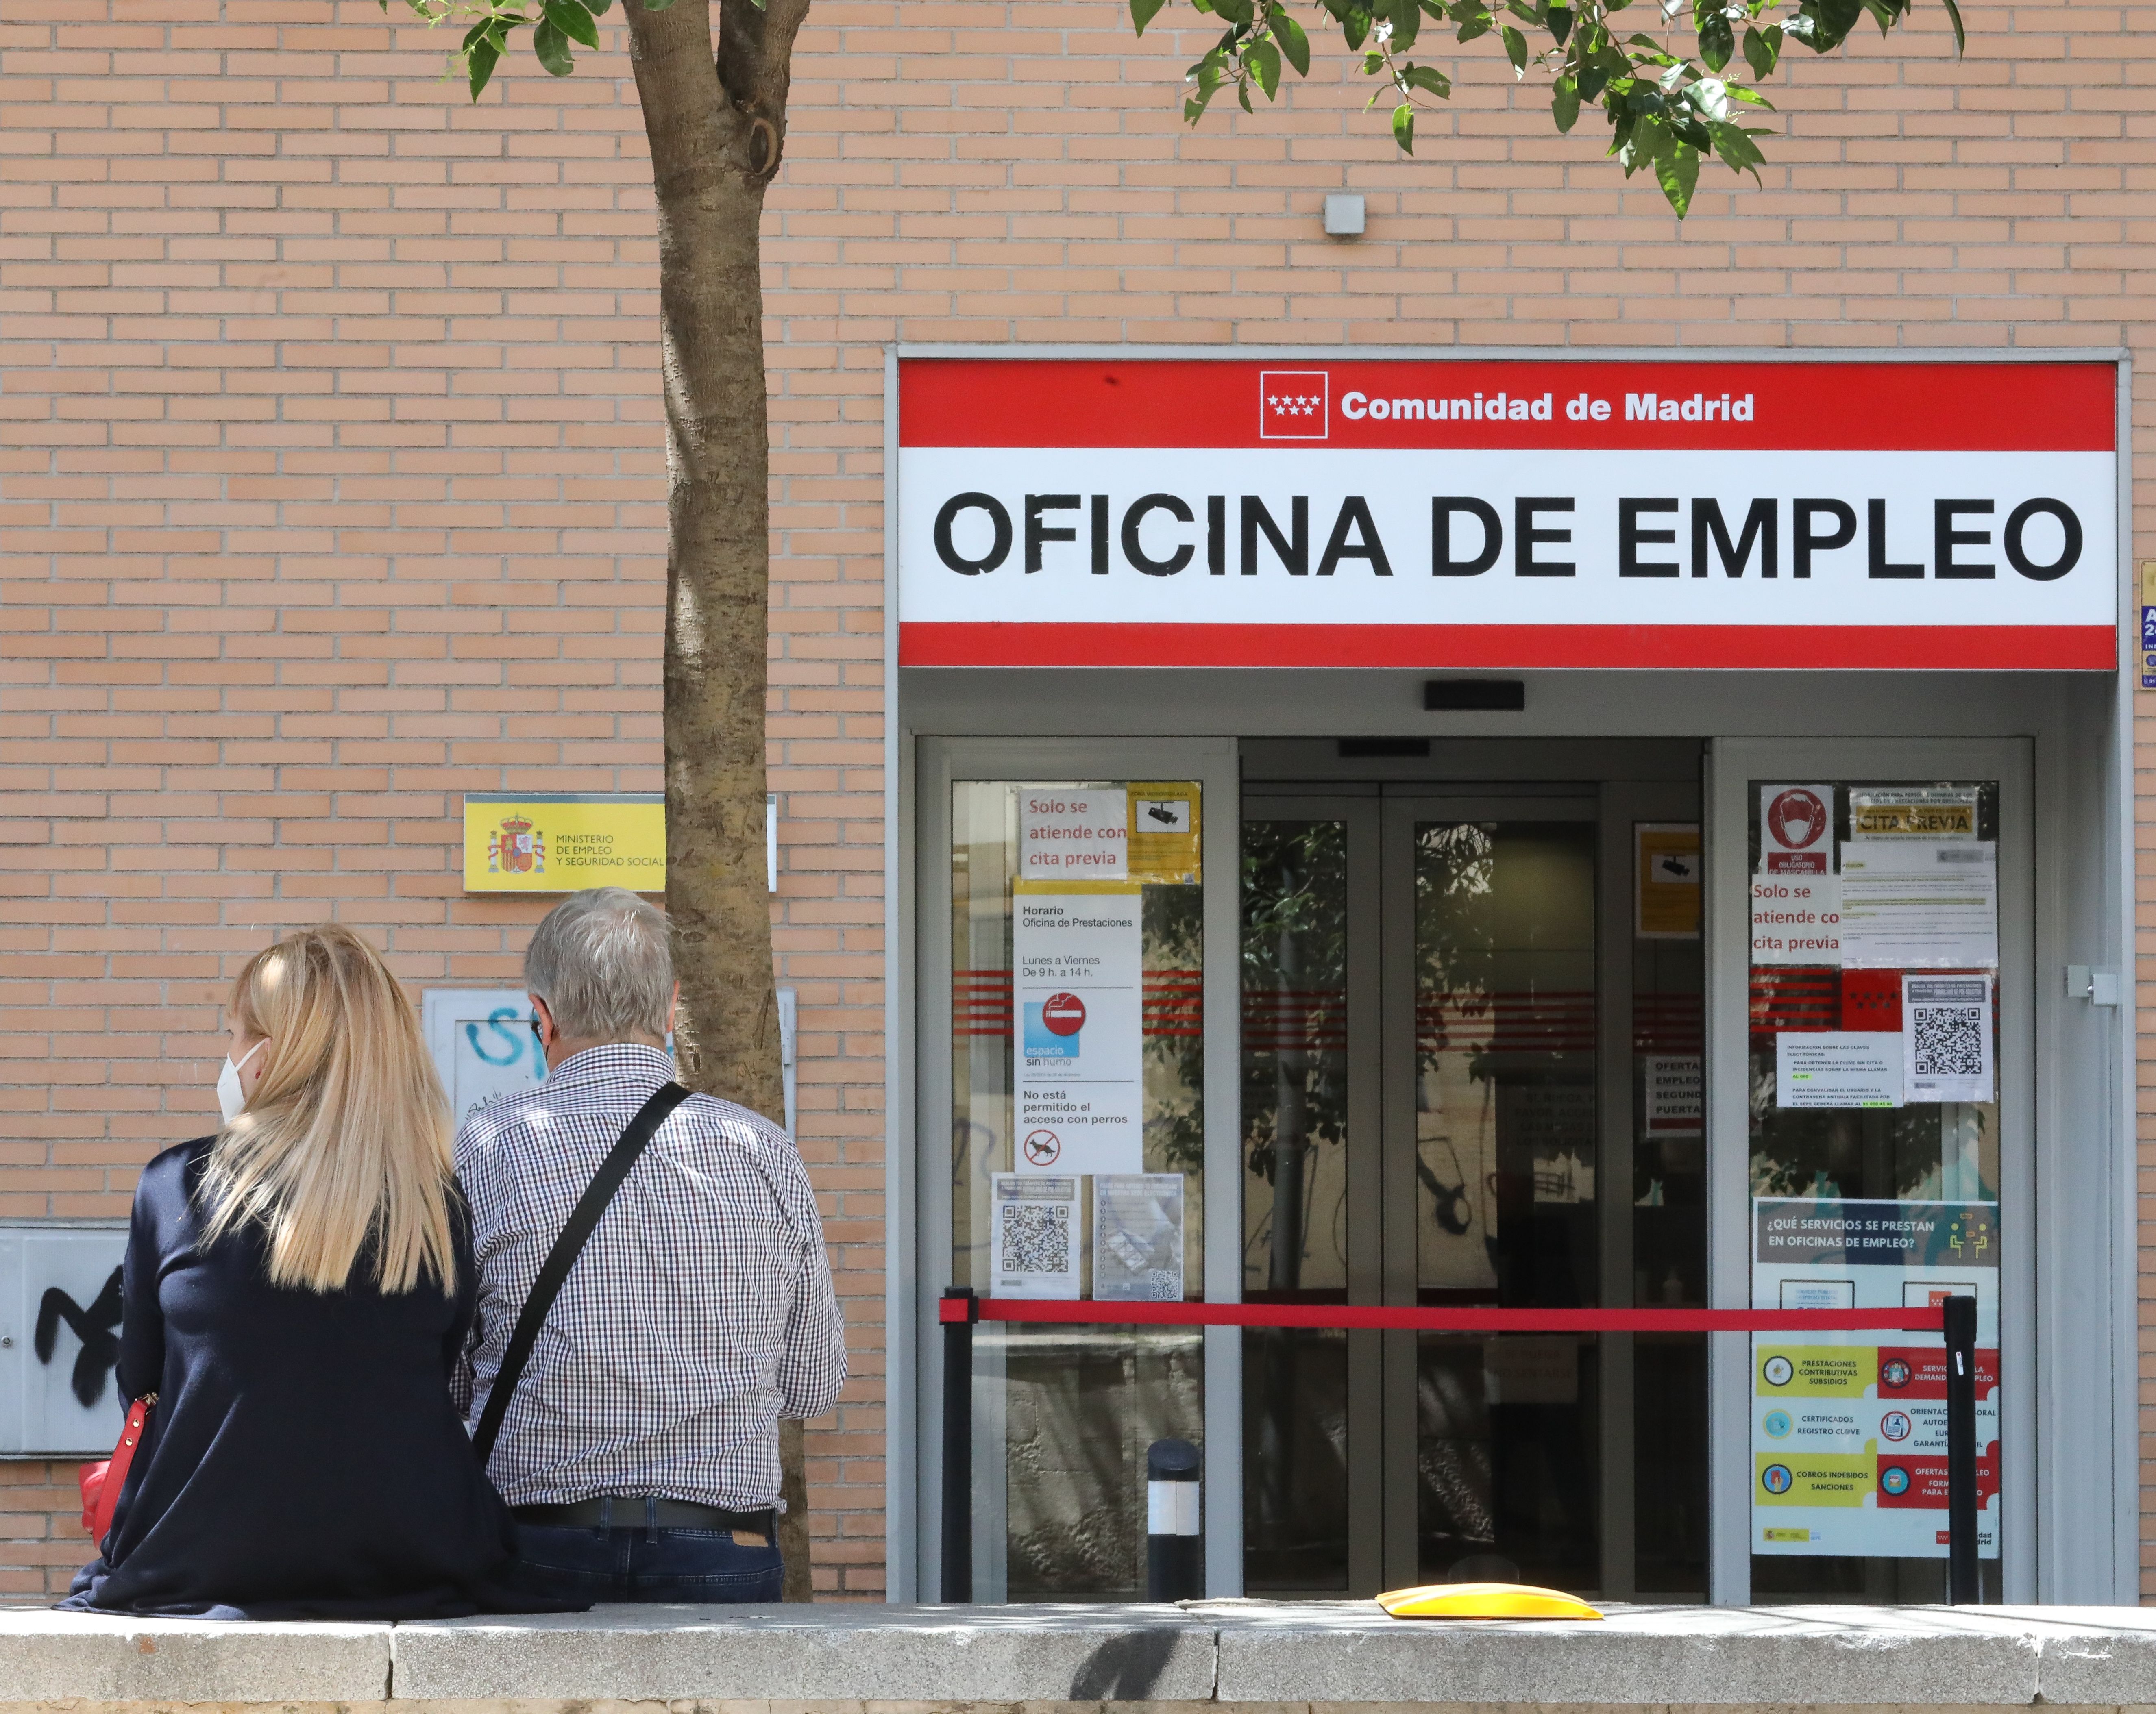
column 1442, row 1318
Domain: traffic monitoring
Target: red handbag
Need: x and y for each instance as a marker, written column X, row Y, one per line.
column 101, row 1482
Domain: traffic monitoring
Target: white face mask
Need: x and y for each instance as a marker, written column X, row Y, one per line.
column 231, row 1099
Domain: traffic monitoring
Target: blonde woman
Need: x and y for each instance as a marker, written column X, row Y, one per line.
column 297, row 1289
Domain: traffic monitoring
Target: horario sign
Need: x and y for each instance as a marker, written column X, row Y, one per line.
column 1516, row 513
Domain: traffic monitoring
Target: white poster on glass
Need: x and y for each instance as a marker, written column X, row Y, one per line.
column 1138, row 1237
column 1078, row 1074
column 1849, row 1433
column 1946, row 1022
column 1837, row 1067
column 1920, row 904
column 1796, row 918
column 1034, row 1239
column 1067, row 833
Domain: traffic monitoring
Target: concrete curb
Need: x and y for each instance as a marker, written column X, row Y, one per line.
column 1301, row 1655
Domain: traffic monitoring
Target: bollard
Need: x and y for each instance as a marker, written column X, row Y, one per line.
column 958, row 1450
column 1175, row 1540
column 1959, row 1322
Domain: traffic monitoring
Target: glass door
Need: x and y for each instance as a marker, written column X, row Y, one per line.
column 1872, row 1102
column 1470, row 1077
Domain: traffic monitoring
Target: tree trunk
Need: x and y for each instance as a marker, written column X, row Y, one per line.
column 716, row 124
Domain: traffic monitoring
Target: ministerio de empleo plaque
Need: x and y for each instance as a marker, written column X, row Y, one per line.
column 564, row 842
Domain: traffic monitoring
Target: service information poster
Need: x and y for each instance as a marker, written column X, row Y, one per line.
column 1138, row 1237
column 1077, row 954
column 1849, row 1430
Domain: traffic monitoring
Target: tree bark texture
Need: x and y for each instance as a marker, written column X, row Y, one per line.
column 716, row 121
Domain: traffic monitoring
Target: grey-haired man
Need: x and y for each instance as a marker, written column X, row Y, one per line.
column 639, row 1449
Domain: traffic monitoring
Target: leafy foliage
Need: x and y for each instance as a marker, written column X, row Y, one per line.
column 1668, row 109
column 555, row 24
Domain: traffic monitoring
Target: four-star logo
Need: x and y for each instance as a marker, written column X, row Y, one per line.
column 1294, row 404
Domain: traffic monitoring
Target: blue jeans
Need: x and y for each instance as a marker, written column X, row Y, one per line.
column 634, row 1561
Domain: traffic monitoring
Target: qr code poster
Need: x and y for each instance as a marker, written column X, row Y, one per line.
column 1034, row 1231
column 1946, row 1038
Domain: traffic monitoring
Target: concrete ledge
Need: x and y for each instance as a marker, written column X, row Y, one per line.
column 49, row 1657
column 1231, row 1657
column 866, row 1654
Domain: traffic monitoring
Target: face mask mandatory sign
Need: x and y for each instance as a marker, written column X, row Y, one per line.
column 1052, row 1027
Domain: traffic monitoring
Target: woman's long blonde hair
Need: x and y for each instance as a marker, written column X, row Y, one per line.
column 345, row 1145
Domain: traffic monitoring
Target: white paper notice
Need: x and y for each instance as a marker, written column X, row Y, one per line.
column 1064, row 834
column 1946, row 1023
column 1035, row 1237
column 1796, row 919
column 1796, row 829
column 1674, row 1104
column 1078, row 1070
column 1138, row 1237
column 1837, row 1068
column 1920, row 904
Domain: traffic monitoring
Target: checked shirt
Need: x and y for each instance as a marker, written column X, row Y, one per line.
column 699, row 1313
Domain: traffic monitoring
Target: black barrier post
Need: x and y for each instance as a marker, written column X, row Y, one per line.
column 958, row 1449
column 1175, row 1540
column 1959, row 1322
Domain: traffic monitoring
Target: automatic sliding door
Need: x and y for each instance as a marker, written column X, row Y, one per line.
column 1311, row 1428
column 1492, row 1143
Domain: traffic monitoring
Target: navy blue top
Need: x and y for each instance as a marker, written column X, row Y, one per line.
column 303, row 1460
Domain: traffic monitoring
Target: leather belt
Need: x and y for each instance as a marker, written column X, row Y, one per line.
column 636, row 1511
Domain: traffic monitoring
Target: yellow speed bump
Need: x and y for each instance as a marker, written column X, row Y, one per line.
column 1484, row 1601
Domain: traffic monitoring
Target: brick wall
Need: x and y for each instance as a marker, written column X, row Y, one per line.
column 329, row 468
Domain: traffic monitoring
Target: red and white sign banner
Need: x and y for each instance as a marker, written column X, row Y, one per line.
column 1507, row 514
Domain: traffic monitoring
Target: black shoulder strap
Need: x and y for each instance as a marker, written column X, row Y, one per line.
column 576, row 1232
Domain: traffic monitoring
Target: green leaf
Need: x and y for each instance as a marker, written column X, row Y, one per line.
column 573, row 21
column 1143, row 12
column 1763, row 49
column 1716, row 42
column 1426, row 77
column 1677, row 169
column 1293, row 41
column 1738, row 153
column 1355, row 27
column 1961, row 36
column 552, row 47
column 1837, row 18
column 479, row 64
column 1406, row 16
column 1404, row 128
column 1560, row 23
column 1564, row 103
column 1263, row 61
column 1480, row 25
column 1243, row 94
column 1709, row 98
column 1516, row 50
column 598, row 8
